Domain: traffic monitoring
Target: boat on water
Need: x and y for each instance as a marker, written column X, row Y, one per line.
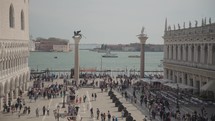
column 134, row 56
column 109, row 55
column 55, row 57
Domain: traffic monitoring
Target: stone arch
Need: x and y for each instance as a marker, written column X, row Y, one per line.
column 11, row 17
column 22, row 20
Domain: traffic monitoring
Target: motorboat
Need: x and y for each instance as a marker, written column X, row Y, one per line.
column 109, row 55
column 134, row 56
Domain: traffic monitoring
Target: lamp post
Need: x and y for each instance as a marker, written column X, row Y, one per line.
column 58, row 115
column 64, row 94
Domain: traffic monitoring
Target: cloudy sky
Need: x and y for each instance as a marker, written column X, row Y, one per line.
column 114, row 21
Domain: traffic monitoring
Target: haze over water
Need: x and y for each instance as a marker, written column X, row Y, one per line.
column 89, row 59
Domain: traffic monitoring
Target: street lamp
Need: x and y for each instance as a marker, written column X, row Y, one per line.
column 64, row 94
column 58, row 115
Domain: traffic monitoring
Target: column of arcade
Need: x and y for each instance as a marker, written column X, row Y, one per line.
column 192, row 53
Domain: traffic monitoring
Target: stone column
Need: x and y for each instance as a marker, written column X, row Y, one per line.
column 202, row 54
column 6, row 98
column 179, row 52
column 195, row 53
column 169, row 74
column 209, row 54
column 26, row 86
column 165, row 73
column 76, row 65
column 16, row 93
column 184, row 53
column 182, row 78
column 189, row 53
column 188, row 79
column 173, row 76
column 173, row 52
column 170, row 52
column 142, row 37
column 194, row 81
column 178, row 77
column 200, row 81
column 167, row 52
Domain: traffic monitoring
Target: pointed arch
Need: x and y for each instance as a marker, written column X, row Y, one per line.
column 22, row 20
column 11, row 16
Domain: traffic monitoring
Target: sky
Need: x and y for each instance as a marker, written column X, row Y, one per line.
column 114, row 21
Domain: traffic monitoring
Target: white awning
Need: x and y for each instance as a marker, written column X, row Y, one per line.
column 181, row 86
column 210, row 86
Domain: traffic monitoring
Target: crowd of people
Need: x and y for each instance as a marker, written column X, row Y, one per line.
column 133, row 91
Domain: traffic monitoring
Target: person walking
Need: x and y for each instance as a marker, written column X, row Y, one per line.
column 109, row 116
column 29, row 110
column 97, row 112
column 122, row 113
column 47, row 110
column 91, row 112
column 44, row 110
column 37, row 112
column 92, row 96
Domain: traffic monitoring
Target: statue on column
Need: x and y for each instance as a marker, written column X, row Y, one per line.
column 179, row 26
column 190, row 24
column 184, row 25
column 78, row 34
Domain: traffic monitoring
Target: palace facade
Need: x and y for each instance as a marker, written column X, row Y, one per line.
column 14, row 49
column 189, row 55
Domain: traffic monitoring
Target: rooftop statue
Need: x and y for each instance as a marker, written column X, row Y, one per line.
column 184, row 25
column 209, row 20
column 179, row 26
column 196, row 23
column 142, row 31
column 169, row 28
column 190, row 24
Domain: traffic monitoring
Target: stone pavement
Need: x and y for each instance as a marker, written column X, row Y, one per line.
column 103, row 102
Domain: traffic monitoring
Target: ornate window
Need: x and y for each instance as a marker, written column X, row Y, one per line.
column 22, row 20
column 11, row 17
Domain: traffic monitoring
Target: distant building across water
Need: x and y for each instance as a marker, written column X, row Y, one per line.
column 52, row 44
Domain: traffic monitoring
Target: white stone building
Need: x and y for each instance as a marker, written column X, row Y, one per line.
column 61, row 48
column 189, row 55
column 14, row 52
